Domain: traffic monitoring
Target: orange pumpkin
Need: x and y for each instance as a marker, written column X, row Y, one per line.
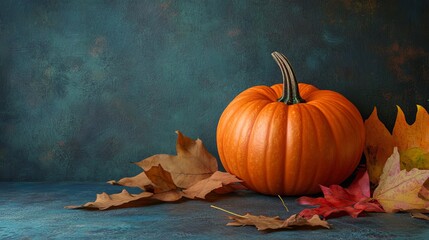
column 281, row 143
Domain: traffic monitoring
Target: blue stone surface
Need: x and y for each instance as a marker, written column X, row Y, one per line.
column 36, row 211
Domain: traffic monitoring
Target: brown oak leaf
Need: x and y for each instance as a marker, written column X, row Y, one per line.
column 263, row 223
column 162, row 184
column 105, row 201
column 140, row 181
column 191, row 164
column 222, row 182
column 192, row 173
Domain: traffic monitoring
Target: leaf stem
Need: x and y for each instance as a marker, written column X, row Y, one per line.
column 229, row 212
column 283, row 202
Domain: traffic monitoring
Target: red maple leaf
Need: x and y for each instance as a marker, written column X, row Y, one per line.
column 338, row 200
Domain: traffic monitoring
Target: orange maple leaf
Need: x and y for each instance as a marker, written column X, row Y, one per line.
column 379, row 142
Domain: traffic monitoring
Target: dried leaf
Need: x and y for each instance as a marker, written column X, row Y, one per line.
column 162, row 184
column 140, row 181
column 378, row 146
column 161, row 180
column 169, row 196
column 352, row 200
column 275, row 223
column 191, row 164
column 399, row 190
column 214, row 182
column 192, row 173
column 105, row 201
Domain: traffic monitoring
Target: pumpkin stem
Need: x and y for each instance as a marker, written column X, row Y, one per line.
column 290, row 85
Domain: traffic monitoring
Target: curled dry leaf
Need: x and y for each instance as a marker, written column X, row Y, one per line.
column 140, row 180
column 399, row 190
column 162, row 184
column 191, row 174
column 275, row 223
column 192, row 163
column 105, row 201
column 222, row 182
column 412, row 142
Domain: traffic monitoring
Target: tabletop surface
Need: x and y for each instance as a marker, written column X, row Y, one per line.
column 36, row 211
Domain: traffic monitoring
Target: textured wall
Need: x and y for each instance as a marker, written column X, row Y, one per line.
column 89, row 86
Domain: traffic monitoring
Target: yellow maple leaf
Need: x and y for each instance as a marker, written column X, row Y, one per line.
column 398, row 190
column 414, row 157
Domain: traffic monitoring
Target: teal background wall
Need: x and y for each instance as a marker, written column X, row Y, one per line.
column 86, row 86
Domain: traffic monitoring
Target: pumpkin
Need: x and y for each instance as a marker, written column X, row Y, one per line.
column 290, row 138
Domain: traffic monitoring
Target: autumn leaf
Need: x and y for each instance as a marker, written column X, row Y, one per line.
column 378, row 146
column 161, row 180
column 412, row 142
column 191, row 174
column 414, row 158
column 222, row 182
column 416, row 135
column 105, row 201
column 399, row 190
column 338, row 200
column 162, row 184
column 141, row 181
column 263, row 223
column 191, row 164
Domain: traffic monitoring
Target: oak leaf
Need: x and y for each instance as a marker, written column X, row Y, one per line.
column 192, row 163
column 263, row 223
column 220, row 182
column 379, row 142
column 191, row 174
column 276, row 223
column 162, row 185
column 338, row 200
column 105, row 201
column 399, row 190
